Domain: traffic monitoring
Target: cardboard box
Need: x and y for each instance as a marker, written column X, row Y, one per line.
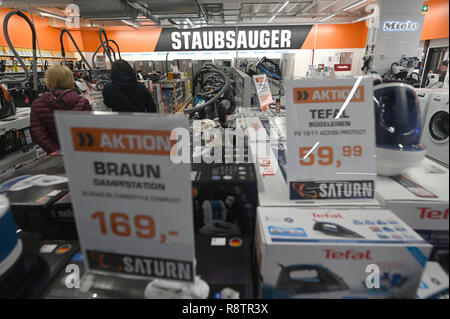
column 420, row 198
column 224, row 198
column 434, row 283
column 325, row 253
column 32, row 190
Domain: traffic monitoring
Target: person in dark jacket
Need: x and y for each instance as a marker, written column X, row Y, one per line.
column 59, row 80
column 124, row 93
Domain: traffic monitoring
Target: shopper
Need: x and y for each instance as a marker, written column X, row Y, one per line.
column 59, row 80
column 125, row 93
column 442, row 71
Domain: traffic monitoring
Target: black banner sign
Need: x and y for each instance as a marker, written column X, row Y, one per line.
column 230, row 38
column 141, row 266
column 331, row 190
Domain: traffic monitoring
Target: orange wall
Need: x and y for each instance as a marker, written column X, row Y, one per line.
column 20, row 33
column 435, row 25
column 337, row 36
column 135, row 41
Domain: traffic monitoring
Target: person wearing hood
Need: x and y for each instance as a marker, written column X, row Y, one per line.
column 59, row 80
column 124, row 93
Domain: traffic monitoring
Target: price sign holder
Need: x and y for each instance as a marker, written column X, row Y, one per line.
column 330, row 141
column 263, row 91
column 132, row 204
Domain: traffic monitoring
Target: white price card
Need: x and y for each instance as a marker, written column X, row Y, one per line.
column 132, row 204
column 263, row 90
column 330, row 138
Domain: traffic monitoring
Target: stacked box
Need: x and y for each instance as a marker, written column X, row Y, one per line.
column 420, row 198
column 337, row 253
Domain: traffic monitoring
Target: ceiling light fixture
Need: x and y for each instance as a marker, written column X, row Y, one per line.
column 364, row 18
column 354, row 5
column 190, row 22
column 292, row 8
column 345, row 9
column 130, row 23
column 51, row 15
column 279, row 10
column 329, row 17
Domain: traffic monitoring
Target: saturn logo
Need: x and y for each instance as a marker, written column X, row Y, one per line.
column 299, row 188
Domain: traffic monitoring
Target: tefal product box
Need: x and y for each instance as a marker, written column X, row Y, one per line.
column 337, row 253
column 434, row 283
column 420, row 198
column 270, row 160
column 225, row 198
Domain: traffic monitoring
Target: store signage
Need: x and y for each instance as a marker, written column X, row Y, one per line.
column 263, row 91
column 342, row 67
column 231, row 38
column 400, row 26
column 331, row 140
column 132, row 205
column 100, row 62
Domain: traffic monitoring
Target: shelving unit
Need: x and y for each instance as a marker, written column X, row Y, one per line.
column 51, row 57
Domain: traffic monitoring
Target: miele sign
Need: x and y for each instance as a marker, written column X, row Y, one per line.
column 400, row 26
column 229, row 38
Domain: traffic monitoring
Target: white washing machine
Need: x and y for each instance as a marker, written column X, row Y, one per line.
column 424, row 96
column 435, row 131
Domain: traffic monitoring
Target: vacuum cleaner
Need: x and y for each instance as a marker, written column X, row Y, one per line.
column 84, row 64
column 215, row 98
column 398, row 128
column 270, row 68
column 25, row 84
column 324, row 280
column 334, row 229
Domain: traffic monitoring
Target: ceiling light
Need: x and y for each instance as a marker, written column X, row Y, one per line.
column 279, row 10
column 329, row 17
column 308, row 7
column 51, row 15
column 282, row 7
column 131, row 23
column 292, row 8
column 354, row 5
column 364, row 18
column 190, row 22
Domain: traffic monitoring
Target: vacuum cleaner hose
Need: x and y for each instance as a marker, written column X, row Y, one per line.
column 215, row 97
column 26, row 78
column 63, row 52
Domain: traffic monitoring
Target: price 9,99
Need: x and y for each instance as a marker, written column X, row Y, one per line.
column 325, row 155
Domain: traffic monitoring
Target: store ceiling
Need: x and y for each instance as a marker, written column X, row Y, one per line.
column 196, row 13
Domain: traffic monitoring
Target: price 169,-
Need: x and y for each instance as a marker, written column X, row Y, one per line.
column 120, row 224
column 324, row 155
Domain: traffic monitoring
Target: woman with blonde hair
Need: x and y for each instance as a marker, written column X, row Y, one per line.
column 59, row 80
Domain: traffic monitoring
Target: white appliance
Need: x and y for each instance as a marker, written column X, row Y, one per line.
column 435, row 131
column 424, row 96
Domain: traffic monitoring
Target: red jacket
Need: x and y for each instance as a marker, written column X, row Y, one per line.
column 42, row 121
